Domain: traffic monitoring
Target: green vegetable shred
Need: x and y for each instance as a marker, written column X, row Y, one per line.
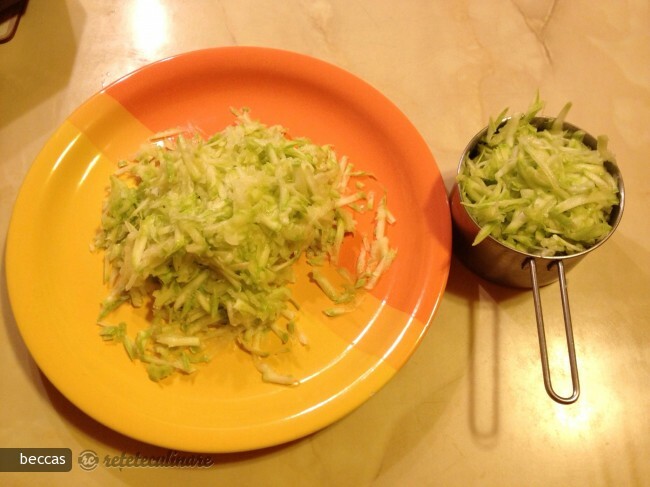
column 538, row 190
column 205, row 231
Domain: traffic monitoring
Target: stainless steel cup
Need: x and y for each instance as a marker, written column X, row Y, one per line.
column 504, row 265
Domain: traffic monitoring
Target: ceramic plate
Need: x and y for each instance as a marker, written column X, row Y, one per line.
column 55, row 282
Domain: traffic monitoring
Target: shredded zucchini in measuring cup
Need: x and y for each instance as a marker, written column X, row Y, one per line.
column 206, row 232
column 543, row 192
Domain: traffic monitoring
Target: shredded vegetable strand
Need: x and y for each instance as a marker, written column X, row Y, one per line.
column 210, row 230
column 538, row 190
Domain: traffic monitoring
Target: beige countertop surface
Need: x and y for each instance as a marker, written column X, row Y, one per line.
column 469, row 407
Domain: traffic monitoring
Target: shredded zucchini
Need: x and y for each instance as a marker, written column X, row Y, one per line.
column 205, row 231
column 538, row 190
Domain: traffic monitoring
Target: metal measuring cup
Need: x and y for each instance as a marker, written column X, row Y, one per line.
column 504, row 265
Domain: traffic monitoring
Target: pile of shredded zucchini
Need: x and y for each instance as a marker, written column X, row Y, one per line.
column 206, row 232
column 538, row 190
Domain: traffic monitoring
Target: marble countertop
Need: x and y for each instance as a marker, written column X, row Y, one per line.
column 469, row 407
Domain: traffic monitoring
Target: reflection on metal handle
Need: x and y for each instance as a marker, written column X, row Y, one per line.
column 542, row 336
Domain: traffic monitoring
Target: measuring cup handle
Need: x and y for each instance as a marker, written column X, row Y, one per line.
column 542, row 336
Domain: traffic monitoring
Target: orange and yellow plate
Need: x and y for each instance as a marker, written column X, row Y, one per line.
column 55, row 281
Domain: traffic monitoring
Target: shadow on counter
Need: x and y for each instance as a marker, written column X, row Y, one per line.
column 484, row 337
column 47, row 39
